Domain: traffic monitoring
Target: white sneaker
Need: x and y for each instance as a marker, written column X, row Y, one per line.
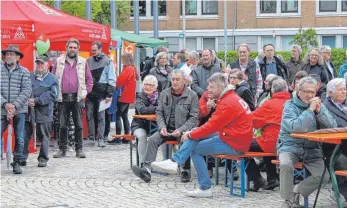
column 198, row 193
column 166, row 166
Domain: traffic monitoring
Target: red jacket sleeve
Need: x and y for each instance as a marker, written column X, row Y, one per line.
column 123, row 77
column 223, row 115
column 203, row 106
column 259, row 116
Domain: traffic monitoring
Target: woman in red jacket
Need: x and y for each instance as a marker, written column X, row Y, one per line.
column 127, row 81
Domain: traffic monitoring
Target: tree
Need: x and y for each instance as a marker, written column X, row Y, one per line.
column 305, row 39
column 101, row 12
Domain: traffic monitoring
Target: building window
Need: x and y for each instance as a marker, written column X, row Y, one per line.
column 269, row 39
column 278, row 7
column 285, row 46
column 329, row 40
column 210, row 7
column 191, row 44
column 344, row 5
column 344, row 41
column 268, row 6
column 290, row 6
column 191, row 7
column 209, row 43
column 161, row 8
column 327, row 6
column 142, row 8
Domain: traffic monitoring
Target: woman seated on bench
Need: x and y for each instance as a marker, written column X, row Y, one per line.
column 268, row 118
column 146, row 104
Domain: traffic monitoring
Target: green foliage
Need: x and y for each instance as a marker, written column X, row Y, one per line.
column 101, row 12
column 305, row 39
column 337, row 56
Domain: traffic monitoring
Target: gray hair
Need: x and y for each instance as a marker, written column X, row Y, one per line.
column 320, row 58
column 179, row 71
column 270, row 77
column 298, row 47
column 194, row 55
column 279, row 85
column 325, row 47
column 332, row 84
column 245, row 45
column 159, row 55
column 151, row 79
column 307, row 80
column 219, row 78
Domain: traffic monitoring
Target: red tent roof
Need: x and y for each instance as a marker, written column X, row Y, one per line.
column 25, row 21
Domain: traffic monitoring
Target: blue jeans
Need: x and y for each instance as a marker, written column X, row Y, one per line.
column 199, row 148
column 18, row 126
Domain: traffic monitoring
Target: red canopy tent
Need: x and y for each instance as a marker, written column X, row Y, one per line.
column 22, row 22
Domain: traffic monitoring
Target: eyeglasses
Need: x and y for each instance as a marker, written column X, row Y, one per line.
column 308, row 92
column 148, row 85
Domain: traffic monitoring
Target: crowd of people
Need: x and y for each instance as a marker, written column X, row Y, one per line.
column 209, row 106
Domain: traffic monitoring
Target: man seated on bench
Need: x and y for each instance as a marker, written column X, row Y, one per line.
column 336, row 103
column 177, row 112
column 303, row 113
column 232, row 121
column 268, row 118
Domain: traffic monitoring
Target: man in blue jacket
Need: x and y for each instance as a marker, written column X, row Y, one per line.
column 44, row 93
column 304, row 113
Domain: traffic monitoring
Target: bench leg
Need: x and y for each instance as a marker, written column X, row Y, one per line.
column 243, row 191
column 131, row 154
column 216, row 171
column 137, row 152
column 226, row 173
column 232, row 165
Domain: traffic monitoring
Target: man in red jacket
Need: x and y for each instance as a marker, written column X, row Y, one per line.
column 233, row 122
column 268, row 118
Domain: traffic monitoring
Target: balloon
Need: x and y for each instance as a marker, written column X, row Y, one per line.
column 42, row 45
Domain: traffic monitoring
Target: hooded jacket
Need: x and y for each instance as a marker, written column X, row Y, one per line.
column 298, row 118
column 232, row 120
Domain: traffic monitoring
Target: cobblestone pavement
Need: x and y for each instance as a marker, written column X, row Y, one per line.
column 104, row 179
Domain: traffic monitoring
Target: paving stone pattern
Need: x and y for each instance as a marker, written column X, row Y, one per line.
column 104, row 180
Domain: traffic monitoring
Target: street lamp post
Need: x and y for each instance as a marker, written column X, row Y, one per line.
column 113, row 5
column 155, row 19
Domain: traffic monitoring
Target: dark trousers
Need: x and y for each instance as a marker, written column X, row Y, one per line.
column 64, row 114
column 122, row 113
column 95, row 119
column 252, row 169
column 43, row 133
column 18, row 127
column 107, row 124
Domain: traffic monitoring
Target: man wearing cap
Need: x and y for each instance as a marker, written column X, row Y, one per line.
column 75, row 82
column 44, row 93
column 15, row 92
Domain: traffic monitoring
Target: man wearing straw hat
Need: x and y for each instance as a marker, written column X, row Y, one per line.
column 15, row 93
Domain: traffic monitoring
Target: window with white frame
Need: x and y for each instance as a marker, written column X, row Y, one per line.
column 285, row 45
column 200, row 7
column 269, row 39
column 146, row 8
column 209, row 43
column 331, row 7
column 278, row 7
column 191, row 44
column 345, row 41
column 329, row 40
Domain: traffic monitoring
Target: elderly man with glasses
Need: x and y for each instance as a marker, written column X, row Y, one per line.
column 303, row 113
column 326, row 54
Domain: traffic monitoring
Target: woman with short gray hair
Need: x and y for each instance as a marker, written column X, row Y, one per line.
column 336, row 103
column 146, row 104
column 315, row 65
column 162, row 71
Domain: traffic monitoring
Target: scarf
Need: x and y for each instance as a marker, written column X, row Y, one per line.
column 163, row 70
column 179, row 65
column 153, row 99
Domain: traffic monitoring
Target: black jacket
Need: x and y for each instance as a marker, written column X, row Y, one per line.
column 243, row 91
column 281, row 68
column 317, row 69
column 164, row 81
column 341, row 121
column 250, row 72
column 330, row 76
column 142, row 107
